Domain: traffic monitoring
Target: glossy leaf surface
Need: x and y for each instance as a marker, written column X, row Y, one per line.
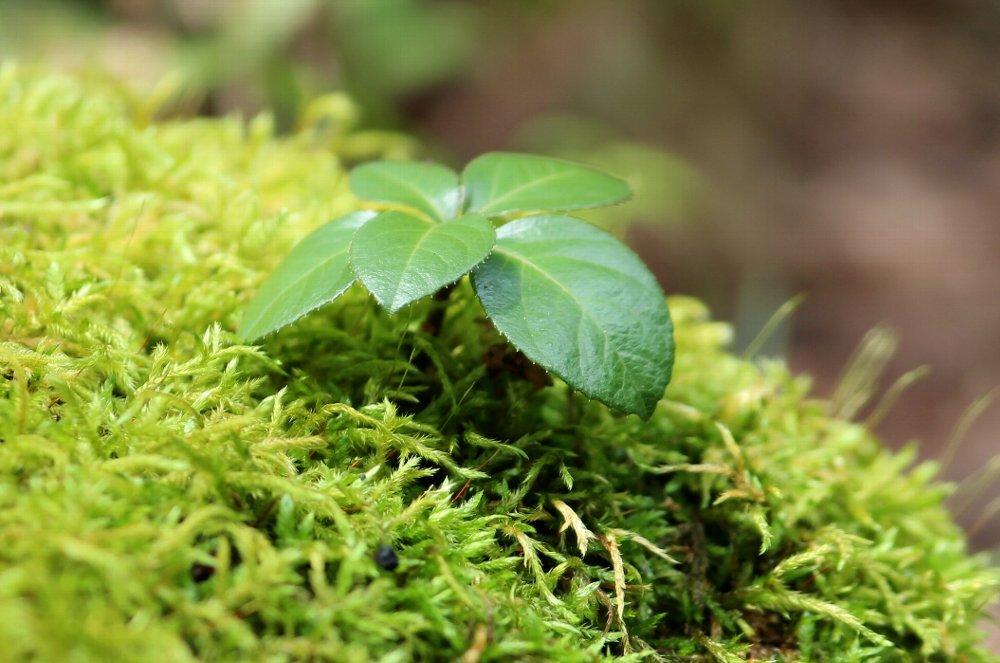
column 426, row 187
column 501, row 182
column 582, row 305
column 315, row 272
column 401, row 258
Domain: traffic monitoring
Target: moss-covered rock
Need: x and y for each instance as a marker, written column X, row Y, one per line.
column 169, row 494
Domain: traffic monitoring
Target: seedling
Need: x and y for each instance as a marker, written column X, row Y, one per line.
column 571, row 297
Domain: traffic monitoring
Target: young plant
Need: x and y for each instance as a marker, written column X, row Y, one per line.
column 571, row 297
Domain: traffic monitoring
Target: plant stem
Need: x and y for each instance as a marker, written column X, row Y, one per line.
column 435, row 319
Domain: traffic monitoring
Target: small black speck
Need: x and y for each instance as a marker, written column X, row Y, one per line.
column 386, row 557
column 201, row 572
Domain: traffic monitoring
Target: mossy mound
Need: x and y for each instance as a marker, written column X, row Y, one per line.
column 169, row 494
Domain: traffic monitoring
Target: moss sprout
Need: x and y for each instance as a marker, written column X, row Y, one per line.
column 358, row 489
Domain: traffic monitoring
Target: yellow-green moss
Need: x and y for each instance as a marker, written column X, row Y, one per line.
column 169, row 494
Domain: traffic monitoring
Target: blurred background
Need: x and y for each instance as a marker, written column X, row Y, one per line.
column 848, row 151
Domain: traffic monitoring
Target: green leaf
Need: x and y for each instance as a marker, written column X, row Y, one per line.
column 401, row 258
column 582, row 305
column 316, row 271
column 501, row 182
column 428, row 188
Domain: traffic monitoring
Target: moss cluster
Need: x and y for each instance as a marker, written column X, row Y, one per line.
column 169, row 494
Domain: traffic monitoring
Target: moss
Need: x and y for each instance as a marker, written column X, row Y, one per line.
column 167, row 493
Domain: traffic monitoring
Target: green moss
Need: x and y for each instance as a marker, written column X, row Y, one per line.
column 169, row 494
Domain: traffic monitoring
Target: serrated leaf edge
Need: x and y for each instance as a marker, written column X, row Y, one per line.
column 644, row 413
